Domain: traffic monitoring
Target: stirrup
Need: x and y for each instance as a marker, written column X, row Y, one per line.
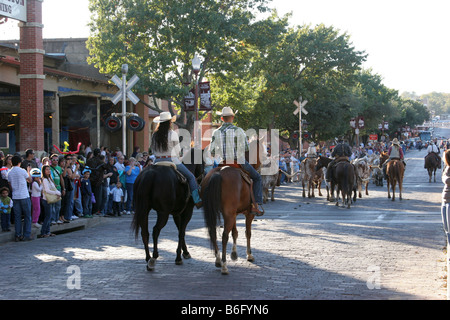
column 256, row 210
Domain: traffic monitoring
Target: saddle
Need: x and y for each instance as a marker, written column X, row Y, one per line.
column 244, row 174
column 181, row 178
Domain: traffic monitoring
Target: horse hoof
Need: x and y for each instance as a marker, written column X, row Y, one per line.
column 151, row 264
column 224, row 270
column 250, row 258
column 186, row 255
column 234, row 255
column 179, row 262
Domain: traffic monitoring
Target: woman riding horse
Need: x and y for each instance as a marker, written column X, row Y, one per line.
column 166, row 147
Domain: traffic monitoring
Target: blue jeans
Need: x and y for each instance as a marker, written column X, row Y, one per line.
column 55, row 209
column 257, row 182
column 22, row 206
column 6, row 220
column 68, row 209
column 445, row 219
column 45, row 229
column 77, row 206
column 129, row 206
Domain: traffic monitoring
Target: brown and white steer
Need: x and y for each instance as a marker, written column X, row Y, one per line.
column 310, row 177
column 363, row 171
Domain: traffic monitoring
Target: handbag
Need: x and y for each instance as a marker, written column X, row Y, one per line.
column 51, row 198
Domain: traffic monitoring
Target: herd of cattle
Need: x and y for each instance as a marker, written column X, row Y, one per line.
column 313, row 171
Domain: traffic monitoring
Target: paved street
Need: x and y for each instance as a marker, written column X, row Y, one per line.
column 304, row 249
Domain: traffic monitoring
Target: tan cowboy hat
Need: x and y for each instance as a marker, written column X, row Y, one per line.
column 226, row 111
column 165, row 116
column 395, row 141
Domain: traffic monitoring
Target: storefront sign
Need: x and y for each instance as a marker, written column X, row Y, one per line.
column 14, row 9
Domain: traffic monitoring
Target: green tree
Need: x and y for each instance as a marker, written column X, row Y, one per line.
column 316, row 63
column 158, row 40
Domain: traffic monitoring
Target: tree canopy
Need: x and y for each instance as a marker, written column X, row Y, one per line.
column 256, row 65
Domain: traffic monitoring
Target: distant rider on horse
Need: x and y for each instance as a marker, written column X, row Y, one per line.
column 395, row 151
column 433, row 149
column 230, row 142
column 341, row 152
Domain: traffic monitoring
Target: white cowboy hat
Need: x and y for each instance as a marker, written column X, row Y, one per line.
column 395, row 141
column 226, row 111
column 165, row 116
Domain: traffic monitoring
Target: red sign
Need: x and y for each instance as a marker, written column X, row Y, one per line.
column 373, row 137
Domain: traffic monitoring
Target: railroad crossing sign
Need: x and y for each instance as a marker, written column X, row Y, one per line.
column 300, row 106
column 123, row 94
column 125, row 87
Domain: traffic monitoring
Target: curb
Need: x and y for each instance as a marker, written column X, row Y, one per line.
column 73, row 225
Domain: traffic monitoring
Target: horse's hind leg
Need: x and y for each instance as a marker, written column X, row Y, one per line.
column 181, row 222
column 227, row 227
column 248, row 234
column 145, row 235
column 393, row 190
column 160, row 223
column 234, row 234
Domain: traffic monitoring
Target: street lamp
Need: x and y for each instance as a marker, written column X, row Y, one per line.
column 196, row 64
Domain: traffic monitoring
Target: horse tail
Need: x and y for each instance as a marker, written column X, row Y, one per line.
column 212, row 198
column 142, row 190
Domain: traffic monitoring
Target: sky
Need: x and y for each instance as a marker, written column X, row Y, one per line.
column 406, row 40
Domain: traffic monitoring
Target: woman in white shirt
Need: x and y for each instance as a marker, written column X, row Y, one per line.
column 166, row 147
column 48, row 186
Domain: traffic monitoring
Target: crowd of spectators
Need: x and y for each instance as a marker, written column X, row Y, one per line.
column 59, row 188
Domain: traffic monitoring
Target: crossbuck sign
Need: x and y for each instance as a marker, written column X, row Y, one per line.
column 124, row 93
column 125, row 87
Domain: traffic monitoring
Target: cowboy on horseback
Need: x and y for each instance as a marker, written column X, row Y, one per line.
column 230, row 142
column 166, row 147
column 395, row 151
column 433, row 149
column 341, row 152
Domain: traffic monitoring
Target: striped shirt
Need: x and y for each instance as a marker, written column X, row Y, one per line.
column 230, row 143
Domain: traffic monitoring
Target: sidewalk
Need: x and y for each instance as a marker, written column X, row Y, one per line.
column 78, row 224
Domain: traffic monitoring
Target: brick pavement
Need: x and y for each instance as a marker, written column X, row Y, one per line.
column 304, row 249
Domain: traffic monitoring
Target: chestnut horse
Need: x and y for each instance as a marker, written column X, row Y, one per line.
column 225, row 192
column 395, row 170
column 432, row 163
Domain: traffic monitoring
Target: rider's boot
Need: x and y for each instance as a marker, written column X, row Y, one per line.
column 257, row 209
column 196, row 197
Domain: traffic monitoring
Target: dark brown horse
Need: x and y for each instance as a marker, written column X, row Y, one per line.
column 432, row 163
column 395, row 170
column 226, row 193
column 158, row 187
column 344, row 179
column 323, row 162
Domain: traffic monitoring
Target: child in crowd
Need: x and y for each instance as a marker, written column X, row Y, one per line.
column 36, row 192
column 117, row 197
column 5, row 208
column 86, row 193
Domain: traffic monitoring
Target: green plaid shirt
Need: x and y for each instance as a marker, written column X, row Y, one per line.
column 229, row 142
